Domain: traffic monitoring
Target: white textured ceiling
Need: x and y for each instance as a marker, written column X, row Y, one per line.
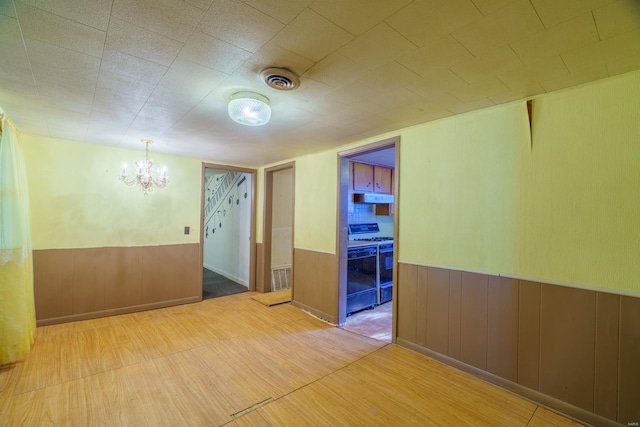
column 115, row 71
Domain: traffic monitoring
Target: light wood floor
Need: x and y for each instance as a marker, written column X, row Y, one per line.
column 233, row 361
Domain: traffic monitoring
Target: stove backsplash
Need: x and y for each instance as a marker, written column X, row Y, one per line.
column 365, row 214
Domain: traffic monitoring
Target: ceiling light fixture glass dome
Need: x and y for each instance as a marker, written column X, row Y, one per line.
column 249, row 109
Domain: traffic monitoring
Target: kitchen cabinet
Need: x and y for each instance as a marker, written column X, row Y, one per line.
column 369, row 178
column 382, row 180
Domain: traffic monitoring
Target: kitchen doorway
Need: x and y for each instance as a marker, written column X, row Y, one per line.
column 277, row 261
column 367, row 235
column 227, row 230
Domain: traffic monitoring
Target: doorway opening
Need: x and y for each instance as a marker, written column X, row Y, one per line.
column 228, row 212
column 277, row 268
column 367, row 235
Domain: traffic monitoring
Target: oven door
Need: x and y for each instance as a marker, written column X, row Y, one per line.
column 362, row 291
column 385, row 265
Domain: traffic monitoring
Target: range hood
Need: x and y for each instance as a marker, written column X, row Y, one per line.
column 373, row 198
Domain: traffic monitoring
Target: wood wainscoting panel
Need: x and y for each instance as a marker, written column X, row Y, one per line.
column 123, row 277
column 607, row 346
column 407, row 282
column 502, row 334
column 87, row 293
column 422, row 300
column 437, row 309
column 571, row 349
column 529, row 334
column 47, row 282
column 629, row 374
column 161, row 271
column 455, row 310
column 191, row 272
column 473, row 326
column 84, row 283
column 261, row 273
column 316, row 286
column 567, row 344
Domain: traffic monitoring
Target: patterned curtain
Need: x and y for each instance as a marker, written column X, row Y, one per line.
column 17, row 308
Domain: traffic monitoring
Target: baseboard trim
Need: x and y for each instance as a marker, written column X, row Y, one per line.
column 116, row 311
column 320, row 314
column 566, row 409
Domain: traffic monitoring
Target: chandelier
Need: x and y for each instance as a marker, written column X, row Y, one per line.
column 144, row 173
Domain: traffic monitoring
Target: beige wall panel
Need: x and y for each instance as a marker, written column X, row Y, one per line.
column 161, row 273
column 529, row 335
column 315, row 278
column 502, row 334
column 422, row 305
column 567, row 342
column 47, row 270
column 438, row 309
column 455, row 300
column 407, row 281
column 191, row 270
column 473, row 326
column 629, row 387
column 123, row 277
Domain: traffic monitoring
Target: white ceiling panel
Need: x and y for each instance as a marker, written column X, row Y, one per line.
column 312, row 36
column 282, row 10
column 439, row 54
column 565, row 37
column 175, row 19
column 94, row 13
column 617, row 18
column 38, row 24
column 141, row 43
column 517, row 20
column 239, row 24
column 213, row 53
column 553, row 12
column 378, row 46
column 132, row 67
column 112, row 72
column 423, row 21
column 357, row 16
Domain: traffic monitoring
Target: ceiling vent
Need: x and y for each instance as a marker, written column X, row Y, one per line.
column 280, row 78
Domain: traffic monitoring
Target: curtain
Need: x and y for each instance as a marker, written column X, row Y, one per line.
column 17, row 308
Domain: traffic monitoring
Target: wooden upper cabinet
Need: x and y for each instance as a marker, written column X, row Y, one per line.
column 362, row 177
column 382, row 180
column 373, row 179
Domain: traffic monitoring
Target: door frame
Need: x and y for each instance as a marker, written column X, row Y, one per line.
column 267, row 223
column 342, row 237
column 252, row 224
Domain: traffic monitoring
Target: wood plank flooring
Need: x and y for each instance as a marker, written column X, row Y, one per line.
column 233, row 361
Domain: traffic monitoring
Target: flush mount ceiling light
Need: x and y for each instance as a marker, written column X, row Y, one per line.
column 249, row 109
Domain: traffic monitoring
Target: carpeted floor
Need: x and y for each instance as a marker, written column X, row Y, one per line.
column 215, row 285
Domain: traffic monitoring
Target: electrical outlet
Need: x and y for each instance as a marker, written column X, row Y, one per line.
column 186, row 230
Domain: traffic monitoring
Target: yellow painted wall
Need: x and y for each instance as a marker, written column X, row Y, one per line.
column 458, row 195
column 77, row 200
column 316, row 183
column 475, row 196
